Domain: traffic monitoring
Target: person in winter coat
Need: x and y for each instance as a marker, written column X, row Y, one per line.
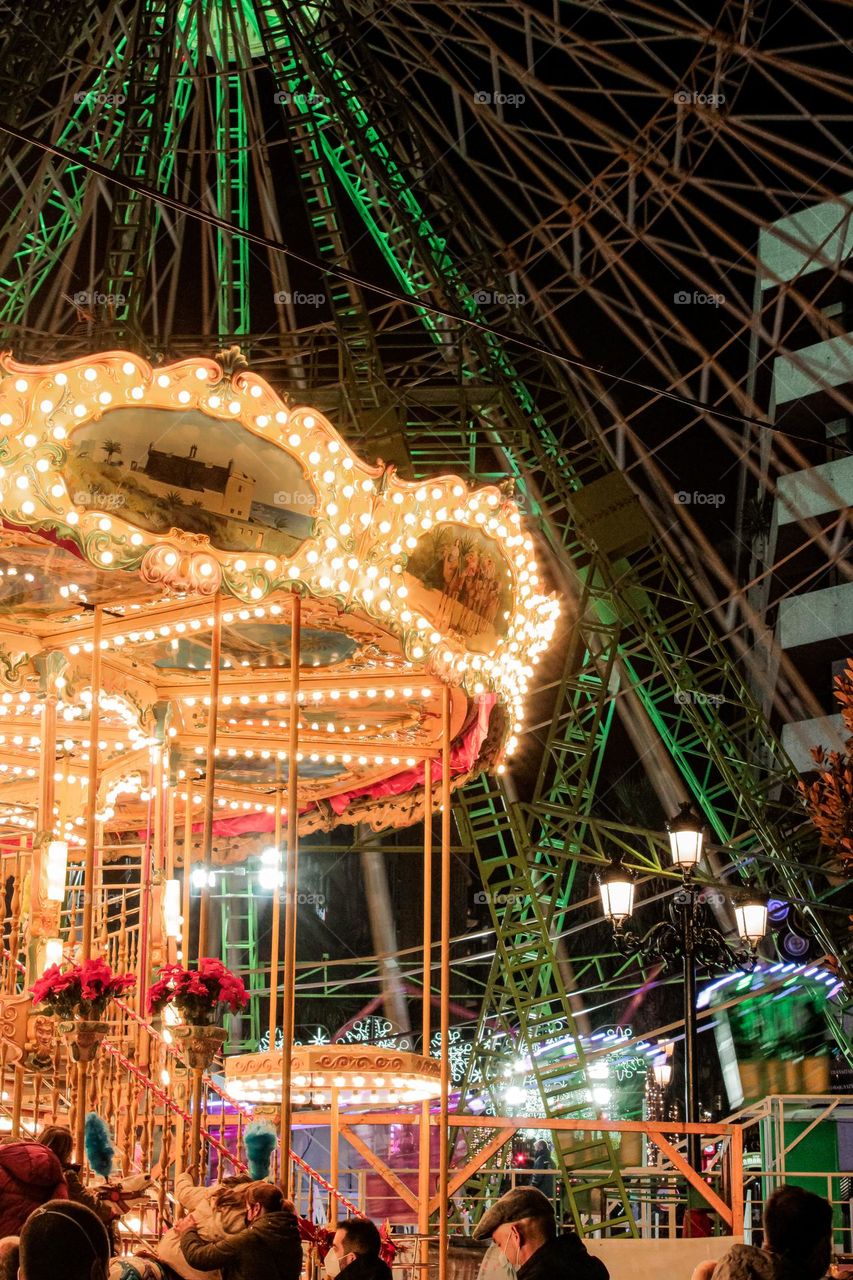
column 58, row 1139
column 30, row 1175
column 270, row 1247
column 523, row 1226
column 542, row 1159
column 354, row 1254
column 218, row 1212
column 64, row 1239
column 797, row 1241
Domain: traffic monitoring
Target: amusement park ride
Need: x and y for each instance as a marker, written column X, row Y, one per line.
column 281, row 549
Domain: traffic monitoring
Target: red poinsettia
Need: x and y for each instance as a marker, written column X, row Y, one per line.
column 198, row 993
column 82, row 990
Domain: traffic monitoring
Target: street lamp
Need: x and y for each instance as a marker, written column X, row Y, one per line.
column 687, row 939
column 616, row 885
column 751, row 915
column 686, row 833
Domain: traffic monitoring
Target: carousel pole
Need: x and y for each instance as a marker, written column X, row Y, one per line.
column 426, row 985
column 444, row 1153
column 334, row 1156
column 288, row 1011
column 276, row 918
column 210, row 772
column 46, row 821
column 186, row 863
column 89, row 862
column 207, row 851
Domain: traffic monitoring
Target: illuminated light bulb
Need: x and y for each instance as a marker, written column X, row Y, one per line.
column 309, row 421
column 214, row 402
column 42, row 464
column 105, row 397
column 136, row 393
column 234, row 406
column 6, row 419
column 30, row 440
column 22, row 482
column 28, row 508
column 255, row 391
column 201, row 374
column 21, row 384
column 184, row 397
column 53, row 949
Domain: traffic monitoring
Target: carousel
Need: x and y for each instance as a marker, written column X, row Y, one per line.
column 221, row 631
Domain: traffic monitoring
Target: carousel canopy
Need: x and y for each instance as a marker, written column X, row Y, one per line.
column 160, row 495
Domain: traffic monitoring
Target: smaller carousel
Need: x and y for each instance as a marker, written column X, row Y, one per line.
column 222, row 631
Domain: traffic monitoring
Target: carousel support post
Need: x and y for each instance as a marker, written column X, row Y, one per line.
column 210, row 773
column 46, row 819
column 92, row 791
column 17, row 1100
column 426, row 983
column 444, row 1154
column 276, row 921
column 169, row 944
column 186, row 863
column 334, row 1156
column 288, row 1010
column 89, row 862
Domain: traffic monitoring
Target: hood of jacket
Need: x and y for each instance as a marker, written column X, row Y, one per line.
column 566, row 1257
column 30, row 1163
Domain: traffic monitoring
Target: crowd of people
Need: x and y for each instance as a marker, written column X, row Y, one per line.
column 53, row 1228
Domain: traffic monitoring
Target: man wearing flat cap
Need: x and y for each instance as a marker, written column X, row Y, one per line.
column 523, row 1226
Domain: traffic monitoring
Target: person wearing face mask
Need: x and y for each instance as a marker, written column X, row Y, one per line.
column 354, row 1254
column 523, row 1227
column 270, row 1246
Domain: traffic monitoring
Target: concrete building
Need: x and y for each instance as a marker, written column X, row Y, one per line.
column 802, row 371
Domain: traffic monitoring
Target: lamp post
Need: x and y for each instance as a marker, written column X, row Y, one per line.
column 687, row 939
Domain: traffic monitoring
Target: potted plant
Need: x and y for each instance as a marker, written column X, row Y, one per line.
column 79, row 995
column 200, row 997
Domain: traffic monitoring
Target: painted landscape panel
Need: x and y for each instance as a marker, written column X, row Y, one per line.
column 163, row 469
